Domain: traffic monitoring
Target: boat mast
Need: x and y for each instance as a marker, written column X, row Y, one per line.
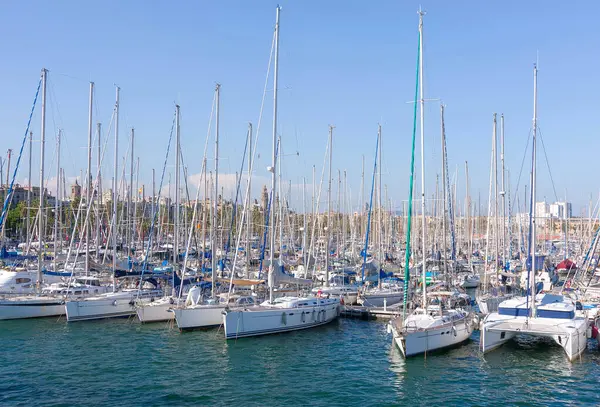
column 130, row 196
column 468, row 213
column 115, row 192
column 422, row 112
column 29, row 191
column 503, row 191
column 177, row 197
column 304, row 253
column 213, row 242
column 496, row 226
column 42, row 195
column 88, row 182
column 533, row 187
column 328, row 235
column 56, row 224
column 444, row 198
column 274, row 158
column 99, row 200
column 379, row 223
column 250, row 207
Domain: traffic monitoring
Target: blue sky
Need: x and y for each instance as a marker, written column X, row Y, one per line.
column 346, row 63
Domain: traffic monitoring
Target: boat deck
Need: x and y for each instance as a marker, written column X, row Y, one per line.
column 534, row 327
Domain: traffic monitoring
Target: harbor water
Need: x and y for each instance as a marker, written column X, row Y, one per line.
column 49, row 362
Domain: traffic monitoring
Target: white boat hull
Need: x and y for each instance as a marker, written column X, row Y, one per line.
column 199, row 316
column 432, row 339
column 111, row 305
column 156, row 311
column 263, row 320
column 31, row 307
column 99, row 309
column 569, row 334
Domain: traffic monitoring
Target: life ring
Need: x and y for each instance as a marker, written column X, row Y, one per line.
column 568, row 284
column 319, row 293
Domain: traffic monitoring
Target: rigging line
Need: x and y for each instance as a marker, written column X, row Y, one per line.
column 155, row 215
column 12, row 182
column 522, row 165
column 548, row 164
column 195, row 212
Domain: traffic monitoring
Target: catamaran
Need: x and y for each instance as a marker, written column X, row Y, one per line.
column 545, row 315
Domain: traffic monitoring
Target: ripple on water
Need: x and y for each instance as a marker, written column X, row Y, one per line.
column 120, row 362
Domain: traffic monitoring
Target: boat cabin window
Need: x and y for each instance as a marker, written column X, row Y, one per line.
column 23, row 280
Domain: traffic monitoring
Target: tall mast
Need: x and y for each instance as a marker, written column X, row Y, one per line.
column 304, row 254
column 204, row 213
column 328, row 208
column 130, row 196
column 115, row 192
column 249, row 209
column 42, row 195
column 361, row 208
column 274, row 158
column 468, row 213
column 422, row 103
column 503, row 192
column 29, row 190
column 177, row 171
column 88, row 181
column 496, row 226
column 99, row 189
column 380, row 209
column 444, row 175
column 213, row 243
column 533, row 192
column 280, row 203
column 56, row 200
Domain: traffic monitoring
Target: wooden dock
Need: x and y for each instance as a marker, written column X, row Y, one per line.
column 368, row 313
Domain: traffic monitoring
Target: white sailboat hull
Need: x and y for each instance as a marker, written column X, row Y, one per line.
column 156, row 311
column 199, row 316
column 31, row 307
column 263, row 320
column 112, row 305
column 431, row 339
column 99, row 309
column 569, row 334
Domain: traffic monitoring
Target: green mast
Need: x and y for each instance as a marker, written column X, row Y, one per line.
column 410, row 190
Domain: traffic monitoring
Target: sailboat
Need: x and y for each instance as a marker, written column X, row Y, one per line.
column 118, row 303
column 379, row 296
column 490, row 296
column 37, row 305
column 285, row 313
column 544, row 315
column 431, row 326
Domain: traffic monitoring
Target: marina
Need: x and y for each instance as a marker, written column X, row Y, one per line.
column 227, row 261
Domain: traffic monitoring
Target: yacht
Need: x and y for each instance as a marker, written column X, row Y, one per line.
column 108, row 305
column 282, row 315
column 431, row 328
column 552, row 316
column 196, row 314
